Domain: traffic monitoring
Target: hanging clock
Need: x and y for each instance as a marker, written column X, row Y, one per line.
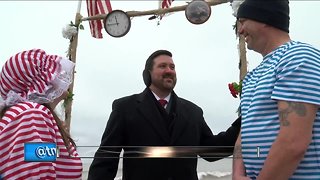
column 198, row 11
column 117, row 23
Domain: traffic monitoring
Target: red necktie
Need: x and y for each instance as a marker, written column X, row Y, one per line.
column 163, row 102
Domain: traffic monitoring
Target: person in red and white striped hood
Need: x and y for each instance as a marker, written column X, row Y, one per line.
column 32, row 83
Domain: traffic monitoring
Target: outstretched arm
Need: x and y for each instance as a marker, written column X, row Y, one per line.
column 229, row 137
column 220, row 145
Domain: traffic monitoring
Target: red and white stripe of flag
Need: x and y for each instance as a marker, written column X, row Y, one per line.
column 163, row 4
column 96, row 7
column 166, row 3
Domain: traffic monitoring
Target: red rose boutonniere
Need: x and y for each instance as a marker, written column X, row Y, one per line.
column 235, row 89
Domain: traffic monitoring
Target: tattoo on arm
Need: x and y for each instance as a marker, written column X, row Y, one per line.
column 293, row 107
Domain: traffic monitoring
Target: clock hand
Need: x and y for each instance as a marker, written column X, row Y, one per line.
column 116, row 20
column 111, row 24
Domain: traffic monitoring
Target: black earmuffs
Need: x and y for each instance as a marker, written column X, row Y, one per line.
column 146, row 77
column 149, row 63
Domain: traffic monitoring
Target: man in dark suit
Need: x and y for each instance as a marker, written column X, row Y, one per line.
column 141, row 121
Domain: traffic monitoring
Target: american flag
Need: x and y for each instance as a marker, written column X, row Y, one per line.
column 165, row 3
column 96, row 7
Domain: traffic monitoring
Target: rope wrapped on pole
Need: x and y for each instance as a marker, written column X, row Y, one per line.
column 155, row 11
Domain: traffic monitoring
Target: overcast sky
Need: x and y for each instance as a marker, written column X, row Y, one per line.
column 206, row 56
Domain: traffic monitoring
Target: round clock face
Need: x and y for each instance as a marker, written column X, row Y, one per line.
column 117, row 23
column 198, row 11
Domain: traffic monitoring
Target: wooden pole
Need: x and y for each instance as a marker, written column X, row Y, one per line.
column 72, row 53
column 243, row 58
column 242, row 55
column 155, row 11
column 243, row 64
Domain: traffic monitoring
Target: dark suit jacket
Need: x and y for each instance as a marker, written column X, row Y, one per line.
column 136, row 121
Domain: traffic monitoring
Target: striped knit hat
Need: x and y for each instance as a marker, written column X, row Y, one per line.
column 34, row 76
